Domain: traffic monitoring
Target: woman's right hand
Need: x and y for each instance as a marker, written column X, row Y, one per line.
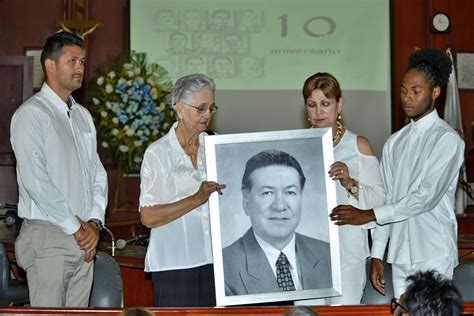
column 206, row 189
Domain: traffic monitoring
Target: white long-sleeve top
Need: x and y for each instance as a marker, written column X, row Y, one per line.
column 353, row 239
column 420, row 168
column 59, row 172
column 167, row 176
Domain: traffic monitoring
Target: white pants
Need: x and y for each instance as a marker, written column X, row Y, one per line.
column 353, row 279
column 400, row 272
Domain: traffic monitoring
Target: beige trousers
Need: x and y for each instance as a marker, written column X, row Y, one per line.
column 56, row 271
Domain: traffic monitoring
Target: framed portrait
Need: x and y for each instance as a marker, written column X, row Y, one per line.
column 465, row 67
column 272, row 238
column 38, row 74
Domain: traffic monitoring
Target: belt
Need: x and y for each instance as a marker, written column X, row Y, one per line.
column 28, row 221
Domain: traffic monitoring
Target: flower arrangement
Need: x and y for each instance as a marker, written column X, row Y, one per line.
column 131, row 107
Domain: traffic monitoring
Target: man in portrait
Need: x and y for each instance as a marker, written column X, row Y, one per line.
column 271, row 257
column 222, row 67
column 195, row 65
column 178, row 44
column 220, row 20
column 250, row 67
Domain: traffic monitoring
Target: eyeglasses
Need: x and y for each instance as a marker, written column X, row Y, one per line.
column 395, row 302
column 203, row 109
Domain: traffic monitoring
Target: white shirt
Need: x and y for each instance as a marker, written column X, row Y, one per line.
column 59, row 172
column 167, row 176
column 272, row 255
column 353, row 239
column 420, row 168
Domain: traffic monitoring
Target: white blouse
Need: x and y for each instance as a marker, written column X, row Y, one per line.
column 167, row 176
column 353, row 239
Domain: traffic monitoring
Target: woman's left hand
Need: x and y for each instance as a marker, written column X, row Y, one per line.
column 340, row 171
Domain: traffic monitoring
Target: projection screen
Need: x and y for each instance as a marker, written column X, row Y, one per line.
column 260, row 52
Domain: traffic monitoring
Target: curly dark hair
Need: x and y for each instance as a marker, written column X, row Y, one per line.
column 429, row 293
column 434, row 63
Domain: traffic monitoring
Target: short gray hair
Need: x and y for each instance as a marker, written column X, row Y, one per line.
column 186, row 86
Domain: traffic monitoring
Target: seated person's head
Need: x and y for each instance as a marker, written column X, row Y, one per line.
column 430, row 294
column 301, row 311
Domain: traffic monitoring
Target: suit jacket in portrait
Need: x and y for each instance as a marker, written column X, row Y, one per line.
column 247, row 271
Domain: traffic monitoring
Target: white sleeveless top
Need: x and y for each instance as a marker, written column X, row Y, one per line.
column 353, row 242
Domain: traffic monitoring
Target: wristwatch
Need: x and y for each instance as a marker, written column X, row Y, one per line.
column 354, row 188
column 97, row 223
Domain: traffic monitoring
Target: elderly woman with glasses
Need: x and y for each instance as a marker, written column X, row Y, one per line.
column 173, row 201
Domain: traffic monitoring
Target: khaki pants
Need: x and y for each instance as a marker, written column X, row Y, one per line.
column 56, row 271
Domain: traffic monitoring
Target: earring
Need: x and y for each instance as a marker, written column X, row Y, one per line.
column 308, row 119
column 339, row 117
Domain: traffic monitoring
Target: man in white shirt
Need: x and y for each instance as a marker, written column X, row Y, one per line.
column 62, row 183
column 420, row 168
column 271, row 257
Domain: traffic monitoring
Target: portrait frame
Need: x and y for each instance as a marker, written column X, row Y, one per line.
column 226, row 156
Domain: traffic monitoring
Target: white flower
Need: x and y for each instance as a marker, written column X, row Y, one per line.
column 115, row 120
column 105, row 144
column 129, row 132
column 108, row 88
column 100, row 80
column 96, row 101
column 154, row 94
column 137, row 70
column 155, row 132
column 137, row 143
column 137, row 159
column 108, row 105
column 150, row 82
column 140, row 80
column 161, row 107
column 127, row 66
column 115, row 132
column 103, row 113
column 139, row 132
column 129, row 73
column 123, row 148
column 166, row 125
column 121, row 80
column 112, row 75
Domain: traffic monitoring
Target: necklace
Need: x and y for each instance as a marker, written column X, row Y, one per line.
column 339, row 133
column 185, row 145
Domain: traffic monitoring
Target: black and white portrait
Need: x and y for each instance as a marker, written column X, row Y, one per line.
column 272, row 240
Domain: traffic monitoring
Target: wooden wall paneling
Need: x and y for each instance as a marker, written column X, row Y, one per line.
column 25, row 23
column 16, row 76
column 110, row 40
column 410, row 31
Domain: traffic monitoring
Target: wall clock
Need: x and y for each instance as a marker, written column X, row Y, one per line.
column 440, row 22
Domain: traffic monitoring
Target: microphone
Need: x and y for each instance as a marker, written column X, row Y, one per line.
column 9, row 206
column 10, row 220
column 122, row 243
column 111, row 237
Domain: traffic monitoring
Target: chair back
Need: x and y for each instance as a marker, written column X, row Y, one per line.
column 464, row 280
column 12, row 292
column 371, row 296
column 107, row 288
